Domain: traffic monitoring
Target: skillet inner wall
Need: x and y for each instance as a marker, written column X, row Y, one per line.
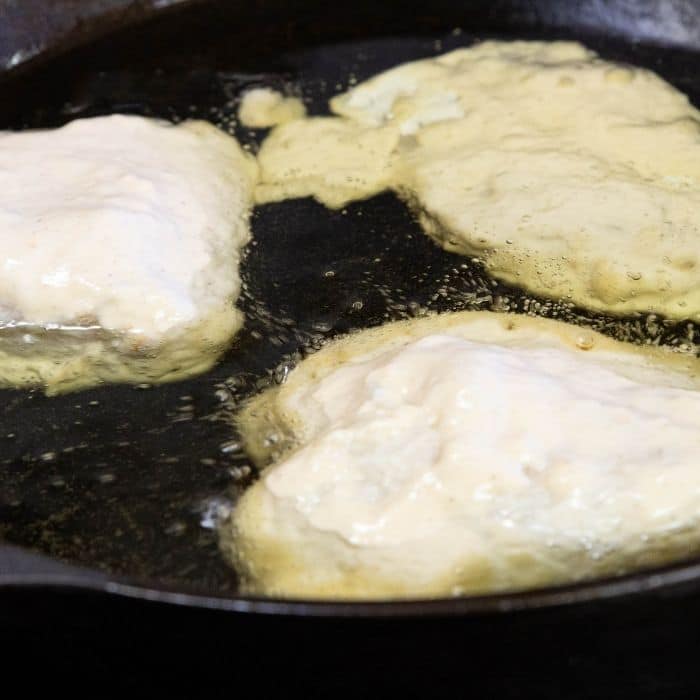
column 132, row 480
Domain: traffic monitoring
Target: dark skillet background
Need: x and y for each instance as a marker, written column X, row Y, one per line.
column 121, row 478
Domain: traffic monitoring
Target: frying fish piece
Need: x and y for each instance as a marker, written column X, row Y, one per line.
column 120, row 241
column 568, row 175
column 468, row 453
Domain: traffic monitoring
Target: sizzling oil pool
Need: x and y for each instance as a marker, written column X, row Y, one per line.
column 133, row 480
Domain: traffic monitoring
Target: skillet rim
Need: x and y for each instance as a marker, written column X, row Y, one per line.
column 663, row 579
column 657, row 580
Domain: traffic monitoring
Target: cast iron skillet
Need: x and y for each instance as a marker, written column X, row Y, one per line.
column 116, row 489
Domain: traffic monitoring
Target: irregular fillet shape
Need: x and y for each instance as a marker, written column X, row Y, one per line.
column 468, row 453
column 568, row 175
column 121, row 238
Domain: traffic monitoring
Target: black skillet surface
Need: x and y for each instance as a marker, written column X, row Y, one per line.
column 128, row 481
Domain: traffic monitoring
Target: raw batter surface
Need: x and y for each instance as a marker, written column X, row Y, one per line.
column 568, row 175
column 121, row 238
column 465, row 453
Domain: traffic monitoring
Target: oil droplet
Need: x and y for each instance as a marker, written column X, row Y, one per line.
column 321, row 326
column 176, row 528
column 585, row 341
column 230, row 447
column 281, row 373
column 239, row 473
column 222, row 395
column 214, row 511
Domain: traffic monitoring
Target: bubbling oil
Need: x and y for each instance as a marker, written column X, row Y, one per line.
column 384, row 269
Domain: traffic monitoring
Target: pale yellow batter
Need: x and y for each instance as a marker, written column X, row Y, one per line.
column 466, row 453
column 263, row 107
column 571, row 176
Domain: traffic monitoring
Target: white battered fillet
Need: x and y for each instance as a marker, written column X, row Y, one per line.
column 128, row 231
column 571, row 176
column 469, row 453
